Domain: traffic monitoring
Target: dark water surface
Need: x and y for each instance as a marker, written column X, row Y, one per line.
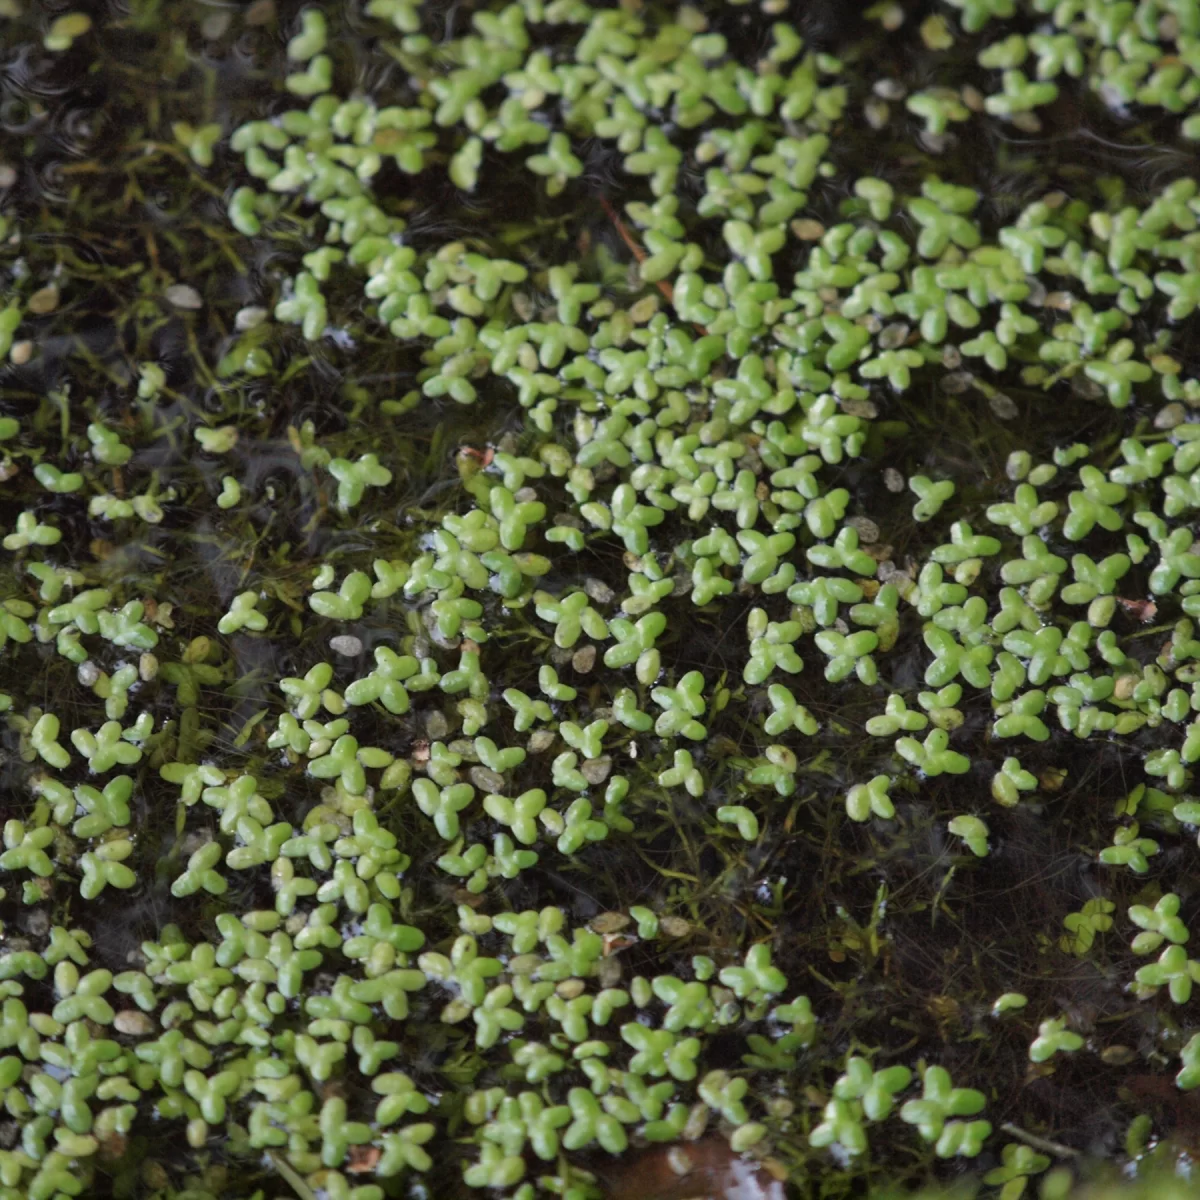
column 901, row 940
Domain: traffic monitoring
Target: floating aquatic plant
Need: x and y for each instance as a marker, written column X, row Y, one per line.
column 461, row 715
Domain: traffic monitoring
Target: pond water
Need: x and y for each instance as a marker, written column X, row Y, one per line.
column 587, row 585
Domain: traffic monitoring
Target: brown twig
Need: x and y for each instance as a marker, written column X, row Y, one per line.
column 638, row 253
column 634, row 248
column 1039, row 1143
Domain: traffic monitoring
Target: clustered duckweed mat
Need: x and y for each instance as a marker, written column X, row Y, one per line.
column 586, row 584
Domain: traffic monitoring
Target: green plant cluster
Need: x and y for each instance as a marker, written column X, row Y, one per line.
column 354, row 784
column 1143, row 55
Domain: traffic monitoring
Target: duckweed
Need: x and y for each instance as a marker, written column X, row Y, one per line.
column 479, row 704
